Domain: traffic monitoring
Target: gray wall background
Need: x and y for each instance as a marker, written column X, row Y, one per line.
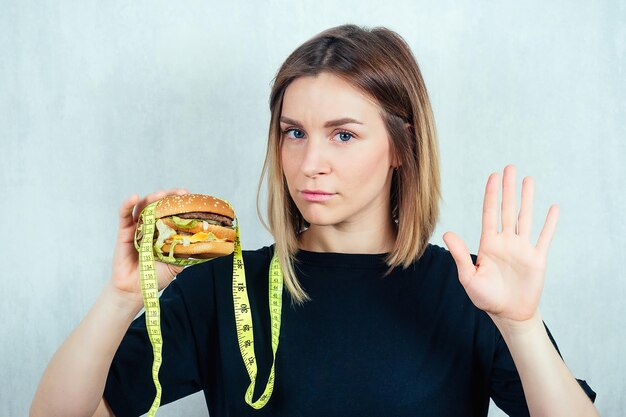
column 102, row 99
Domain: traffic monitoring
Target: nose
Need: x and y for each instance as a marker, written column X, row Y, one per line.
column 315, row 159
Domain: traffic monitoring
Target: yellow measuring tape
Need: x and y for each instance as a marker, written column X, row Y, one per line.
column 243, row 314
column 243, row 321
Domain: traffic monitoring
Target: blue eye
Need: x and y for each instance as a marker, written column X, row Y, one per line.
column 344, row 136
column 298, row 134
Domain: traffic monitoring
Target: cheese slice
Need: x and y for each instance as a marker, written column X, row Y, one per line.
column 198, row 237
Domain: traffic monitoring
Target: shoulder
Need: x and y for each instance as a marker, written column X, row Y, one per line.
column 437, row 259
column 261, row 255
column 442, row 254
column 438, row 270
column 441, row 283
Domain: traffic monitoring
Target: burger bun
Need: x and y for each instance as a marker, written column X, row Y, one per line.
column 202, row 250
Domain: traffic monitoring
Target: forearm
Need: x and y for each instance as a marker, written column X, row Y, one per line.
column 73, row 382
column 549, row 386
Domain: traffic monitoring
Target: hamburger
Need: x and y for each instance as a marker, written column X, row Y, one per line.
column 194, row 226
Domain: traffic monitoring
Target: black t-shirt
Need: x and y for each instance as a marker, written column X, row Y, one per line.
column 407, row 344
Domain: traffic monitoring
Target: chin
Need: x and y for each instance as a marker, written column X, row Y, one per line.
column 315, row 218
column 317, row 221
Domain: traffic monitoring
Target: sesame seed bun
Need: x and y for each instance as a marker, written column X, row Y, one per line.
column 189, row 203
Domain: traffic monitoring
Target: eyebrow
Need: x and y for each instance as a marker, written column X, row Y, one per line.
column 330, row 123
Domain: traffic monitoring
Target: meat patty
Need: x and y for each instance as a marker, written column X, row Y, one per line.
column 207, row 216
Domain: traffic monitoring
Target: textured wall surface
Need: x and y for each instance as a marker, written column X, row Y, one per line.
column 99, row 100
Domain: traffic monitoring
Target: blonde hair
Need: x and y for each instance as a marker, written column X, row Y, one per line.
column 380, row 63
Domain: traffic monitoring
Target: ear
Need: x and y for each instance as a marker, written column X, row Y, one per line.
column 395, row 161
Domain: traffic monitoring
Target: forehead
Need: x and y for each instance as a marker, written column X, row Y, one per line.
column 327, row 95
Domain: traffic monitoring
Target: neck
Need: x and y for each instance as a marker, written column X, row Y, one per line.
column 375, row 239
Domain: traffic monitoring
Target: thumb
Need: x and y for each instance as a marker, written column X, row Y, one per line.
column 460, row 253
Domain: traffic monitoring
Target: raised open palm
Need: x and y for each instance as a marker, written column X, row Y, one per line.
column 508, row 277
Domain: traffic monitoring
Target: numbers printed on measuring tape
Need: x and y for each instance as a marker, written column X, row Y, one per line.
column 243, row 314
column 243, row 321
column 149, row 286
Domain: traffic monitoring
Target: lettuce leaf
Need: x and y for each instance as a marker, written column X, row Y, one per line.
column 174, row 243
column 184, row 223
column 165, row 232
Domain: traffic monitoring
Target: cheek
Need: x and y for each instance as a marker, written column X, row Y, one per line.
column 288, row 164
column 366, row 167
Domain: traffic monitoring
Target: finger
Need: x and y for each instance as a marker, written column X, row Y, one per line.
column 509, row 207
column 461, row 255
column 126, row 221
column 151, row 198
column 490, row 205
column 148, row 199
column 126, row 211
column 525, row 218
column 177, row 191
column 545, row 237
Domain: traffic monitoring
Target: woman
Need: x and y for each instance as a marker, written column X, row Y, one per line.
column 376, row 321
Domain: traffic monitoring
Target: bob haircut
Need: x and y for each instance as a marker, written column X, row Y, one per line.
column 379, row 63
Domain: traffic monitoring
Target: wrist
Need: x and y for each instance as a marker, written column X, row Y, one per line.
column 515, row 328
column 125, row 303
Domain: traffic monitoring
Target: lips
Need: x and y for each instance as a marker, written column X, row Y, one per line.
column 316, row 195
